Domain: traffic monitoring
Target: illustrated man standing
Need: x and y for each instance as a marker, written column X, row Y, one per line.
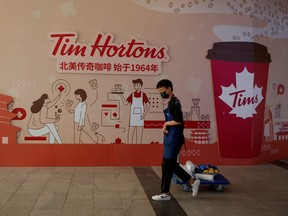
column 139, row 107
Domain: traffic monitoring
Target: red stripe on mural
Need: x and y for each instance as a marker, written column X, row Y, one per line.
column 197, row 124
column 34, row 138
column 109, row 105
column 153, row 124
column 187, row 124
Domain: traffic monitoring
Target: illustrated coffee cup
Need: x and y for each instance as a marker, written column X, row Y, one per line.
column 118, row 87
column 239, row 73
column 69, row 104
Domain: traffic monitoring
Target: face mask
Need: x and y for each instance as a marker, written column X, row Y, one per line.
column 164, row 95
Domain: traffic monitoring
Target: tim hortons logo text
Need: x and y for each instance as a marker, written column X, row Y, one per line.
column 104, row 56
column 245, row 97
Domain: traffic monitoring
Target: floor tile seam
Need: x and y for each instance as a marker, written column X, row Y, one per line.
column 97, row 182
column 65, row 200
column 156, row 205
column 93, row 196
column 8, row 173
column 116, row 172
column 15, row 191
column 95, row 191
column 137, row 187
column 280, row 163
column 13, row 177
column 46, row 179
column 40, row 193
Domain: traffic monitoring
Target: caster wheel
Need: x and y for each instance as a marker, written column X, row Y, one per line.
column 218, row 188
column 187, row 188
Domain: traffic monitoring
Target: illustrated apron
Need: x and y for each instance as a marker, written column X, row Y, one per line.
column 137, row 109
column 173, row 139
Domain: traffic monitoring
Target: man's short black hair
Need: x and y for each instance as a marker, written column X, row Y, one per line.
column 165, row 83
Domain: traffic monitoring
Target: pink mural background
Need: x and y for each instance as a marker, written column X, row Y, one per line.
column 164, row 39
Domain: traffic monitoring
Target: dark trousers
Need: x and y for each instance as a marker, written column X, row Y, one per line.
column 168, row 168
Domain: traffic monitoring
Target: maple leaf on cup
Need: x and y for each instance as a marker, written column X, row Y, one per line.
column 245, row 97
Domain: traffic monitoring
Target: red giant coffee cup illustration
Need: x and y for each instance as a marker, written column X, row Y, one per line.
column 239, row 73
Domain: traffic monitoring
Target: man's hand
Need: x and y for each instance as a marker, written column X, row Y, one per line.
column 164, row 129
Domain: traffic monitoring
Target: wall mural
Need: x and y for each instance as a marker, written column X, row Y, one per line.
column 84, row 85
column 272, row 13
column 49, row 110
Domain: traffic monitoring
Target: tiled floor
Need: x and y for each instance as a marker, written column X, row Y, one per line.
column 86, row 191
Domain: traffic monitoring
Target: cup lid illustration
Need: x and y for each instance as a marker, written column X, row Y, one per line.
column 239, row 52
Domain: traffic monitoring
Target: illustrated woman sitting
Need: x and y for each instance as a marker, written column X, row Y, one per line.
column 40, row 124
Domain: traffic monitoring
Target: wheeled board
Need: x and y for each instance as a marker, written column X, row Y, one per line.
column 217, row 183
